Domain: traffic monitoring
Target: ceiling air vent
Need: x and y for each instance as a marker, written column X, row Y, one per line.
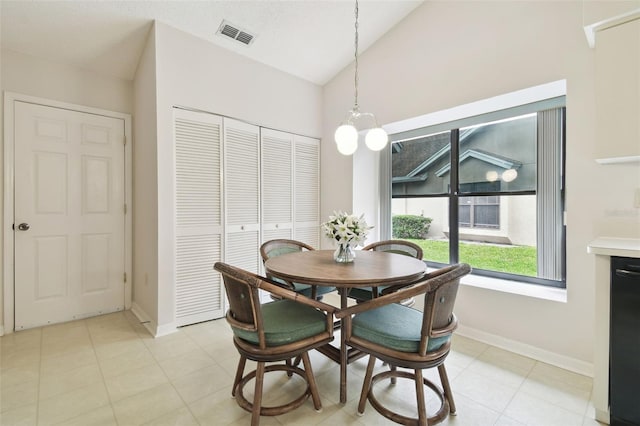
column 232, row 31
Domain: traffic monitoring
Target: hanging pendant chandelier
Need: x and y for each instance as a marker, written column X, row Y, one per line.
column 346, row 135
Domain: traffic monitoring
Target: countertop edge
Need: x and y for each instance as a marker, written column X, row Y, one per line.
column 611, row 246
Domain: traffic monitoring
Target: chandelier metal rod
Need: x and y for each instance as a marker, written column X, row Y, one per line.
column 346, row 135
column 355, row 78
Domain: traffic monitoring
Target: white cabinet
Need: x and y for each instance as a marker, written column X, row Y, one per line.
column 242, row 194
column 268, row 183
column 290, row 187
column 306, row 180
column 617, row 59
column 198, row 216
column 277, row 185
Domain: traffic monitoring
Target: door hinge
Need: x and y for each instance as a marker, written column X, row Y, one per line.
column 125, row 277
column 125, row 209
column 124, row 140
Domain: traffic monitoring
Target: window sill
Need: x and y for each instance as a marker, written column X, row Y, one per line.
column 516, row 287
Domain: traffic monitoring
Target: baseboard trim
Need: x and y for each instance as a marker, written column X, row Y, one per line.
column 558, row 360
column 145, row 319
column 163, row 330
column 152, row 327
column 603, row 416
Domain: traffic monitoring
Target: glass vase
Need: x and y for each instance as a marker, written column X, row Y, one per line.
column 344, row 254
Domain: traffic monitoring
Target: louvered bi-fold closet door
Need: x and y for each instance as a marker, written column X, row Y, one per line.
column 307, row 190
column 277, row 184
column 242, row 194
column 198, row 224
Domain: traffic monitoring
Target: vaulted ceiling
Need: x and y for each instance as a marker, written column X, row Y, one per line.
column 311, row 39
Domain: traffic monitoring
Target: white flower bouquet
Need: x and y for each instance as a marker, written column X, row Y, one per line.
column 346, row 228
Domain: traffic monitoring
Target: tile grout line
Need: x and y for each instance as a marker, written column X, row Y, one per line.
column 477, row 358
column 101, row 373
column 157, row 363
column 104, row 382
column 216, row 363
column 553, row 402
column 518, row 390
column 39, row 376
column 171, row 381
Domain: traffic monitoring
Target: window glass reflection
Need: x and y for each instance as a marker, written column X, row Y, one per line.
column 498, row 156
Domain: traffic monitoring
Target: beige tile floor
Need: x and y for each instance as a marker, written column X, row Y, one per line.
column 108, row 370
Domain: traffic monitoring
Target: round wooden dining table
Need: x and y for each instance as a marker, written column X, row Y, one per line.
column 369, row 269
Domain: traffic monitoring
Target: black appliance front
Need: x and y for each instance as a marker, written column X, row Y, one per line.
column 624, row 349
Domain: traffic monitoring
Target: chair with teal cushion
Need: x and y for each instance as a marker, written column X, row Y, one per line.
column 406, row 338
column 403, row 247
column 279, row 247
column 273, row 332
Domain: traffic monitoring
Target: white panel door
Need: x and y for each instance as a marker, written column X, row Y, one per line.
column 307, row 190
column 69, row 215
column 198, row 162
column 242, row 194
column 277, row 184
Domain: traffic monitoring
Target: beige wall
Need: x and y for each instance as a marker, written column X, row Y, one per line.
column 32, row 76
column 193, row 73
column 451, row 53
column 145, row 172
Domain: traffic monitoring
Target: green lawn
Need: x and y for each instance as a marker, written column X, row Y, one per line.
column 519, row 260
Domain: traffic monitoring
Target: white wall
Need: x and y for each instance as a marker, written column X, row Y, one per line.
column 191, row 72
column 451, row 53
column 366, row 187
column 61, row 82
column 33, row 76
column 145, row 192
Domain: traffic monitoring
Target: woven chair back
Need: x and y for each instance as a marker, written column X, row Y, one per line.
column 397, row 246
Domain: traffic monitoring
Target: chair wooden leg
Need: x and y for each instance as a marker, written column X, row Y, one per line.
column 394, row 379
column 422, row 409
column 257, row 394
column 239, row 373
column 444, row 379
column 366, row 385
column 289, row 363
column 312, row 381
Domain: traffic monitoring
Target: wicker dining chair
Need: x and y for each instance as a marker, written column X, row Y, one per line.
column 403, row 247
column 279, row 247
column 273, row 332
column 407, row 338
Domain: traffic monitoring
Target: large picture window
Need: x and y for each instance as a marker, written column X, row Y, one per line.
column 493, row 187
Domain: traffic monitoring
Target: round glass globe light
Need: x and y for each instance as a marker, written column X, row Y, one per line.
column 347, row 148
column 509, row 175
column 346, row 137
column 492, row 176
column 376, row 139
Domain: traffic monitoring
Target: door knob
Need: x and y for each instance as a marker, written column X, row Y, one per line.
column 24, row 227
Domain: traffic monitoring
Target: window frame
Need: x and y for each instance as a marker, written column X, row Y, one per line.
column 455, row 195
